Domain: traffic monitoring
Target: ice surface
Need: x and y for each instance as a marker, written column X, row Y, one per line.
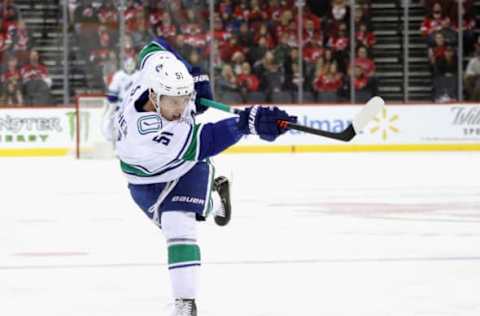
column 309, row 236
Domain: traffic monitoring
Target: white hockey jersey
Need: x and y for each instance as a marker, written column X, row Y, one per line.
column 152, row 149
column 120, row 86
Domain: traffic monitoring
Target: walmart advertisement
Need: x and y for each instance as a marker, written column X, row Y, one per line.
column 51, row 131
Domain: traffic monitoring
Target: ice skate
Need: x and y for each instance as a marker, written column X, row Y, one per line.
column 185, row 307
column 223, row 213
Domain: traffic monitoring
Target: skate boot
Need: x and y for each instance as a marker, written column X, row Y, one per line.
column 223, row 214
column 185, row 307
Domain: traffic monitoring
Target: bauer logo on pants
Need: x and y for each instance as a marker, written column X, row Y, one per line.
column 187, row 199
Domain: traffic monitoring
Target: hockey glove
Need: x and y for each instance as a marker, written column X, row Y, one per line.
column 262, row 121
column 202, row 88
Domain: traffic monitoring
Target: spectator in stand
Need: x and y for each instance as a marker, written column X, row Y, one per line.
column 241, row 13
column 298, row 80
column 191, row 23
column 131, row 14
column 227, row 84
column 182, row 48
column 328, row 83
column 340, row 42
column 469, row 24
column 12, row 72
column 432, row 23
column 197, row 38
column 140, row 35
column 257, row 52
column 365, row 37
column 21, row 42
column 228, row 48
column 289, row 67
column 108, row 17
column 220, row 34
column 364, row 88
column 238, row 59
column 360, row 16
column 230, row 24
column 309, row 16
column 437, row 50
column 329, row 56
column 449, row 33
column 12, row 94
column 11, row 83
column 196, row 60
column 247, row 81
column 451, row 7
column 472, row 77
column 311, row 53
column 365, row 62
column 340, row 11
column 248, row 39
column 104, row 47
column 282, row 50
column 86, row 27
column 257, row 13
column 169, row 30
column 338, row 14
column 362, row 83
column 155, row 13
column 9, row 10
column 264, row 32
column 309, row 31
column 313, row 50
column 284, row 27
column 270, row 74
column 36, row 82
column 445, row 77
column 5, row 44
column 320, row 68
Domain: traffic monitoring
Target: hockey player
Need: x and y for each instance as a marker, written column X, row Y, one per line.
column 118, row 89
column 165, row 154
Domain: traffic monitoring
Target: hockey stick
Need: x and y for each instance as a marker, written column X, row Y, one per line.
column 368, row 113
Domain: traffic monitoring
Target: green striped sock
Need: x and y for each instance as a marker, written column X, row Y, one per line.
column 183, row 255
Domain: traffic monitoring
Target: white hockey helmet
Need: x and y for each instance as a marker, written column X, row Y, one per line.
column 164, row 74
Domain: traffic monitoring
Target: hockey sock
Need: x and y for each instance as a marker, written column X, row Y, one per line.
column 217, row 206
column 180, row 231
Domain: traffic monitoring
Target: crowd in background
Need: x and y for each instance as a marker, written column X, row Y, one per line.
column 24, row 80
column 256, row 57
column 440, row 30
column 257, row 45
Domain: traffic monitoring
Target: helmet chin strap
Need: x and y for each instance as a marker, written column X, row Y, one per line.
column 155, row 100
column 157, row 103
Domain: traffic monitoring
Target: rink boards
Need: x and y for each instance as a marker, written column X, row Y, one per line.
column 412, row 127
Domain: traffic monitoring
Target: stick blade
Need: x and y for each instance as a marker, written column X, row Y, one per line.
column 368, row 113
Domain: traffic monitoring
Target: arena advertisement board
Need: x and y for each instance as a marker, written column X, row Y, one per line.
column 37, row 132
column 397, row 127
column 51, row 131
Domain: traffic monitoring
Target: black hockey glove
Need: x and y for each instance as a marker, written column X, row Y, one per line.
column 202, row 88
column 262, row 121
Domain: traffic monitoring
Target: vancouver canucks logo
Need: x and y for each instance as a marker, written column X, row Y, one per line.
column 149, row 124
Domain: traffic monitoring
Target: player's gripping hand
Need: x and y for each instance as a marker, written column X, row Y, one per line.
column 263, row 121
column 202, row 88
